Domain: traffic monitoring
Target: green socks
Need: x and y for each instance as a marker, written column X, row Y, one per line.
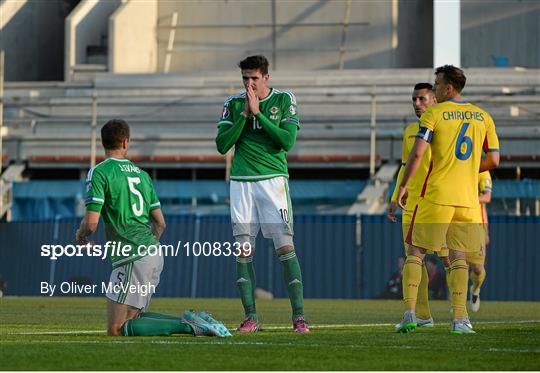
column 155, row 324
column 155, row 315
column 293, row 281
column 245, row 280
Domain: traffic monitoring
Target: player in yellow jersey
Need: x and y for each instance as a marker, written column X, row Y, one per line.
column 477, row 260
column 422, row 98
column 457, row 131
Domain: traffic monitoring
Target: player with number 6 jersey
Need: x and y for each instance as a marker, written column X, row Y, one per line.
column 456, row 131
column 462, row 130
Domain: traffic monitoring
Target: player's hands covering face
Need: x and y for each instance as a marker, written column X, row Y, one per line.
column 253, row 100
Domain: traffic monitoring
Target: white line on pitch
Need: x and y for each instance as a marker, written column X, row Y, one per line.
column 275, row 327
column 256, row 343
column 59, row 332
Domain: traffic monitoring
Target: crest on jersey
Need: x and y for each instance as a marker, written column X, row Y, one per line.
column 273, row 111
column 292, row 110
column 225, row 113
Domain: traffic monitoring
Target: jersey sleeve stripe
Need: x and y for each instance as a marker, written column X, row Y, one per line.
column 94, row 200
column 155, row 204
column 230, row 98
column 425, row 134
column 89, row 176
column 491, row 150
column 225, row 122
column 91, row 171
column 292, row 96
column 291, row 119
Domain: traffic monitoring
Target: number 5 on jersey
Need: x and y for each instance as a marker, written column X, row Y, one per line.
column 137, row 210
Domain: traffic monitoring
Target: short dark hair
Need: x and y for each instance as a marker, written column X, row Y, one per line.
column 113, row 133
column 453, row 76
column 258, row 62
column 418, row 86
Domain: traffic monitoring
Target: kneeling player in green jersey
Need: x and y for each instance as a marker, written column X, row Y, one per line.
column 124, row 196
column 262, row 123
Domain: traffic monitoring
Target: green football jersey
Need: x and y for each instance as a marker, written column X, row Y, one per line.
column 256, row 155
column 124, row 195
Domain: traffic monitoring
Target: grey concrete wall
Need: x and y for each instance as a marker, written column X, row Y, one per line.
column 198, row 49
column 509, row 28
column 132, row 38
column 415, row 32
column 33, row 41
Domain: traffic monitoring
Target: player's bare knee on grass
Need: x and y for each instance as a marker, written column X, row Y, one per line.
column 117, row 315
column 114, row 330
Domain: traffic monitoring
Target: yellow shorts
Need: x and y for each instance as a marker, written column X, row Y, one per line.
column 436, row 226
column 478, row 257
column 406, row 217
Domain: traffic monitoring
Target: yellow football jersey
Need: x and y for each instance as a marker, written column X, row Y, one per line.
column 419, row 178
column 457, row 131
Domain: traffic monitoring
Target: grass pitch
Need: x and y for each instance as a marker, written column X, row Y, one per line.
column 61, row 333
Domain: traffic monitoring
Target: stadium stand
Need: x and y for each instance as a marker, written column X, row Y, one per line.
column 174, row 116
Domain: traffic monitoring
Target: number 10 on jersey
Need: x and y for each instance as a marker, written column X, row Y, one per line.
column 256, row 124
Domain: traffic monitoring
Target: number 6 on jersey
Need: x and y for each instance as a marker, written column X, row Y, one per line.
column 462, row 139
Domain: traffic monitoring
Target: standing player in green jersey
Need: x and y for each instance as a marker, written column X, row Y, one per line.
column 124, row 195
column 262, row 123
